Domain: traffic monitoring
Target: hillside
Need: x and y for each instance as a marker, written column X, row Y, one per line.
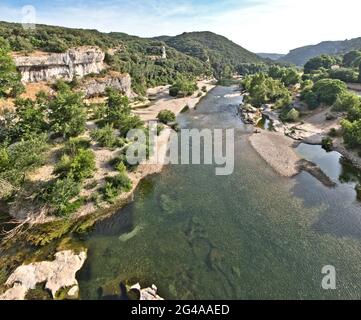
column 139, row 57
column 301, row 55
column 216, row 50
column 272, row 56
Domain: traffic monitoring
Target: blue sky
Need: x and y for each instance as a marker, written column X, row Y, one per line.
column 258, row 25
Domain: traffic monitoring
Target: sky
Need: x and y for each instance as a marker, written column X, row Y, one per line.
column 274, row 26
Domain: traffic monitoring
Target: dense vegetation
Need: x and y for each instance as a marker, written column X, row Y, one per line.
column 32, row 133
column 10, row 85
column 264, row 89
column 345, row 68
column 217, row 51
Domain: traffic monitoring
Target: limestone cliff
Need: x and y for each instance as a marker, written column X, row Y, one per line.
column 42, row 66
column 96, row 86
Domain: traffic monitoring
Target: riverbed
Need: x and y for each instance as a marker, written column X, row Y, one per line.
column 250, row 235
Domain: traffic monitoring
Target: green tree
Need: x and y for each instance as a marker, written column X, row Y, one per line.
column 327, row 90
column 316, row 63
column 67, row 114
column 30, row 117
column 10, row 85
column 352, row 132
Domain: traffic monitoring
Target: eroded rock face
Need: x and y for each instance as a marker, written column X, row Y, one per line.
column 56, row 275
column 97, row 86
column 52, row 66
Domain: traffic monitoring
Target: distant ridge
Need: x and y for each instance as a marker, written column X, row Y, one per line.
column 301, row 55
column 272, row 56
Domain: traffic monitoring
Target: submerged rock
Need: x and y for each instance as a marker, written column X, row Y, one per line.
column 56, row 275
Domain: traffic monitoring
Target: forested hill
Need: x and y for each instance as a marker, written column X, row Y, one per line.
column 214, row 49
column 301, row 55
column 190, row 54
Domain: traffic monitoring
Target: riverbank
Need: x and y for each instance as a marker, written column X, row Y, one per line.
column 278, row 151
column 276, row 147
column 160, row 100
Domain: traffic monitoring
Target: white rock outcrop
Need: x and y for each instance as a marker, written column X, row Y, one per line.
column 56, row 275
column 43, row 66
column 97, row 86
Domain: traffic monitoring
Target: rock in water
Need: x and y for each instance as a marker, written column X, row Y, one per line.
column 56, row 274
column 147, row 293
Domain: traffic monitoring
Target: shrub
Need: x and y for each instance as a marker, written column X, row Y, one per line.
column 351, row 132
column 115, row 185
column 166, row 116
column 346, row 101
column 290, row 115
column 105, row 136
column 60, row 196
column 327, row 144
column 73, row 145
column 183, row 87
column 80, row 167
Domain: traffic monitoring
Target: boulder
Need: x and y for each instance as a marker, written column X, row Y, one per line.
column 56, row 275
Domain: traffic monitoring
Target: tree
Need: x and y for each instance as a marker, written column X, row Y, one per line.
column 10, row 84
column 344, row 74
column 359, row 73
column 351, row 57
column 30, row 117
column 327, row 90
column 346, row 101
column 316, row 63
column 67, row 114
column 183, row 87
column 352, row 132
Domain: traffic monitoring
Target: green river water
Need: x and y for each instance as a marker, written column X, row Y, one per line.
column 250, row 235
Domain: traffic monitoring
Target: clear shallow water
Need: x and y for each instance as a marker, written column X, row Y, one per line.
column 246, row 236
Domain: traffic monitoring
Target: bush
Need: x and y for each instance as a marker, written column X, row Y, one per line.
column 60, row 196
column 166, row 116
column 80, row 167
column 328, row 90
column 115, row 185
column 290, row 115
column 327, row 144
column 105, row 136
column 183, row 88
column 73, row 145
column 352, row 132
column 346, row 101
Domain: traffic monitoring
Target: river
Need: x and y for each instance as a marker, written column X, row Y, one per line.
column 246, row 236
column 250, row 235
